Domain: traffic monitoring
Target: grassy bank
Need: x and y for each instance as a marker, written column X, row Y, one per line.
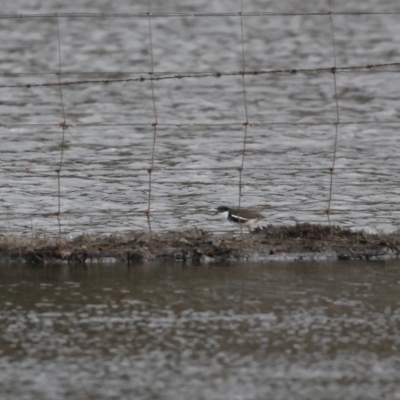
column 268, row 243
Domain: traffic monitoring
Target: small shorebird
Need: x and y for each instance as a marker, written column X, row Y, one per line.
column 242, row 216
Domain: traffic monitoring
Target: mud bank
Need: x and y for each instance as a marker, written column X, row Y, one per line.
column 301, row 242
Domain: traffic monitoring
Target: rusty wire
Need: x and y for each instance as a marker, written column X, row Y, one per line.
column 332, row 169
column 195, row 15
column 151, row 77
column 189, row 125
column 112, row 178
column 117, row 214
column 193, row 74
column 64, row 126
column 154, row 124
column 246, row 123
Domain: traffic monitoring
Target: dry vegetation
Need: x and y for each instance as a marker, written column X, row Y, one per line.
column 197, row 246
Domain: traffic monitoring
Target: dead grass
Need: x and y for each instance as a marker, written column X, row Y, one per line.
column 195, row 244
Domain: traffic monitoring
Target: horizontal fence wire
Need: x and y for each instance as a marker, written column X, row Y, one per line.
column 195, row 15
column 194, row 125
column 291, row 71
column 316, row 210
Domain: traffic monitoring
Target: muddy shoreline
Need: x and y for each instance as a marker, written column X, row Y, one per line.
column 301, row 242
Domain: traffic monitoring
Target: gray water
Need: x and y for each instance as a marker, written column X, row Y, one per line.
column 245, row 332
column 104, row 179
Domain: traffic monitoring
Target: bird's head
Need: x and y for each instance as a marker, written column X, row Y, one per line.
column 221, row 209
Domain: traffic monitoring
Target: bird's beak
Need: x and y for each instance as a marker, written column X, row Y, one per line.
column 216, row 212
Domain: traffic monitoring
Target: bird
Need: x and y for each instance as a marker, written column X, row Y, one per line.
column 241, row 216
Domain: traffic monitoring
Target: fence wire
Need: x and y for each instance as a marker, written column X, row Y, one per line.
column 64, row 126
column 238, row 14
column 246, row 123
column 65, row 172
column 332, row 169
column 181, row 75
column 154, row 124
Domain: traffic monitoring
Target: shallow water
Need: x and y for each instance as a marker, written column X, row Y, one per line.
column 104, row 179
column 224, row 332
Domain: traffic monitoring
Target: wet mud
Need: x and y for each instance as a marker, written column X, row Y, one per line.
column 269, row 243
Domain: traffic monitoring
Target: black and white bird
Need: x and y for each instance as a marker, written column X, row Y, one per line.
column 242, row 216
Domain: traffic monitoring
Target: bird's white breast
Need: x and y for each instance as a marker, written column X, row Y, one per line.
column 225, row 214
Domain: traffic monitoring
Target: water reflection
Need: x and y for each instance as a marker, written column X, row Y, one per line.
column 244, row 331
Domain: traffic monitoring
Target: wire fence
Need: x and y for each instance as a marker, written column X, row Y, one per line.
column 239, row 134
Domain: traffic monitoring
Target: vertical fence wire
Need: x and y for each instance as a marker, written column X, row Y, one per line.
column 246, row 123
column 64, row 127
column 154, row 124
column 337, row 122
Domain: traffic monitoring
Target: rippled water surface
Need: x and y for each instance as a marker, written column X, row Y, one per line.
column 281, row 331
column 108, row 145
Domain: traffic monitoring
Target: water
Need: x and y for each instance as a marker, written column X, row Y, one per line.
column 104, row 178
column 226, row 332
